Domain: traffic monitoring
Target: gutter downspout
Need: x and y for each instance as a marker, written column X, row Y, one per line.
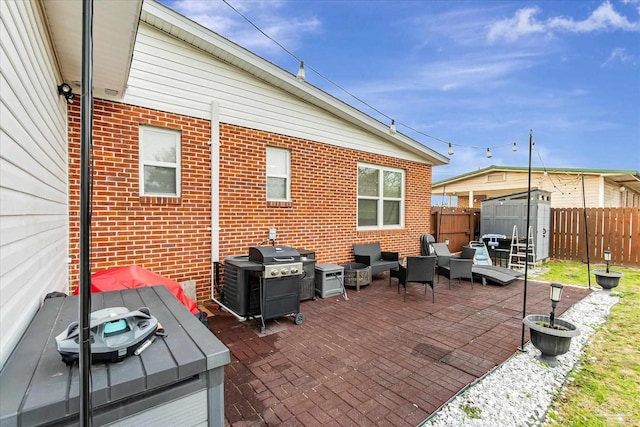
column 215, row 193
column 215, row 205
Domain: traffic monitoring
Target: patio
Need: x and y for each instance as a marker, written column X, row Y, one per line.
column 373, row 359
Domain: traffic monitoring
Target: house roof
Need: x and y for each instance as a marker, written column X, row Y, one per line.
column 622, row 177
column 183, row 28
column 115, row 29
column 115, row 26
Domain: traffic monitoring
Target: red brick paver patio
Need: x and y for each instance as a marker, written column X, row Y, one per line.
column 373, row 359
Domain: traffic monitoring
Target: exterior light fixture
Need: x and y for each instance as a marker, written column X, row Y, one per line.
column 450, row 149
column 489, row 155
column 301, row 75
column 515, row 147
column 607, row 258
column 65, row 90
column 556, row 295
column 392, row 128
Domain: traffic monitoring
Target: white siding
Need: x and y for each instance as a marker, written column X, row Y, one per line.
column 169, row 75
column 33, row 173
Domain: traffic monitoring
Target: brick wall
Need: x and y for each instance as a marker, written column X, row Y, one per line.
column 322, row 214
column 171, row 236
column 168, row 236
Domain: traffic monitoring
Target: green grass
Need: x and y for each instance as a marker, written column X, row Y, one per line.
column 604, row 389
column 471, row 411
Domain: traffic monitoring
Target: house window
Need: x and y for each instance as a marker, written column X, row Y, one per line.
column 159, row 161
column 278, row 174
column 380, row 197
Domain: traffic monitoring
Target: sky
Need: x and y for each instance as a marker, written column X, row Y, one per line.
column 477, row 74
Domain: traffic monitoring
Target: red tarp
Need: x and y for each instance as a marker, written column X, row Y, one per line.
column 133, row 276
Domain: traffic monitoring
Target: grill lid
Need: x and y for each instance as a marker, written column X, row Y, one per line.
column 273, row 254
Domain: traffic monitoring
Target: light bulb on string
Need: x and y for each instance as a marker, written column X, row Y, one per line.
column 489, row 155
column 450, row 149
column 515, row 147
column 392, row 128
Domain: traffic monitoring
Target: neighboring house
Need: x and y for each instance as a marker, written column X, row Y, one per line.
column 602, row 188
column 199, row 147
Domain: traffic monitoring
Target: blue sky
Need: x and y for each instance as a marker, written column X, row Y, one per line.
column 476, row 73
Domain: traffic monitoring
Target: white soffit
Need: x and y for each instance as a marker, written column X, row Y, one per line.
column 115, row 25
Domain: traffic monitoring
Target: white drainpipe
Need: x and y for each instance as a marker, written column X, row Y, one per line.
column 215, row 190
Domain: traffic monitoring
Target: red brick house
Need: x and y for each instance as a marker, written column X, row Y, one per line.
column 199, row 146
column 226, row 119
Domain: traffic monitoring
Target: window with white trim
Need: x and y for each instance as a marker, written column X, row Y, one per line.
column 380, row 197
column 159, row 161
column 278, row 174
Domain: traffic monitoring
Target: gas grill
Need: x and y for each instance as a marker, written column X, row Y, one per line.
column 266, row 284
column 277, row 261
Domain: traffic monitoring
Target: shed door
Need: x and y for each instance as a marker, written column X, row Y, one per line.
column 543, row 232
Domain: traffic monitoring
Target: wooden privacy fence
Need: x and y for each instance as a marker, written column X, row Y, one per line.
column 458, row 225
column 616, row 229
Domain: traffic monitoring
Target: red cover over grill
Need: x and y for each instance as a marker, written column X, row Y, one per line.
column 133, row 276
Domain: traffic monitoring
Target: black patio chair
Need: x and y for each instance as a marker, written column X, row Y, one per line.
column 370, row 254
column 460, row 268
column 419, row 269
column 426, row 240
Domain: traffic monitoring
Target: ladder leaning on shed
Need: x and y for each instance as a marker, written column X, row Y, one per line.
column 520, row 254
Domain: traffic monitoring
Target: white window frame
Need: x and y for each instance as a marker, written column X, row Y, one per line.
column 286, row 174
column 381, row 199
column 142, row 163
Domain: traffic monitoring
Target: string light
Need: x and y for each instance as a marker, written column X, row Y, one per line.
column 450, row 149
column 489, row 155
column 392, row 128
column 301, row 75
column 515, row 147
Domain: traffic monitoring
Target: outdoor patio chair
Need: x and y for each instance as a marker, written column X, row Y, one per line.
column 370, row 254
column 419, row 269
column 452, row 266
column 468, row 252
column 460, row 268
column 426, row 240
column 441, row 250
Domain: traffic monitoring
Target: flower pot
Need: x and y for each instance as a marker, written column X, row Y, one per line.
column 551, row 342
column 607, row 280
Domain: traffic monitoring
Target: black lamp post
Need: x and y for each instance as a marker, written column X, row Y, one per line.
column 526, row 264
column 556, row 295
column 607, row 258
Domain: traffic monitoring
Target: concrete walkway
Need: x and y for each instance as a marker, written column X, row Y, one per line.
column 374, row 359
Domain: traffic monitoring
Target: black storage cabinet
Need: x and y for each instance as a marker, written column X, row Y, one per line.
column 308, row 280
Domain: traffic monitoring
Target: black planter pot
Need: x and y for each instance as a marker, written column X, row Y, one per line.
column 607, row 280
column 550, row 342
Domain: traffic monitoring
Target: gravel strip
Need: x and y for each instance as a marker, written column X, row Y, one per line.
column 519, row 391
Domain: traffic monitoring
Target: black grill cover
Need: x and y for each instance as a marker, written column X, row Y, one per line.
column 273, row 254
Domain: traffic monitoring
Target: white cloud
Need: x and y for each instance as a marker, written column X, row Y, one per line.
column 265, row 14
column 617, row 55
column 525, row 23
column 603, row 18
